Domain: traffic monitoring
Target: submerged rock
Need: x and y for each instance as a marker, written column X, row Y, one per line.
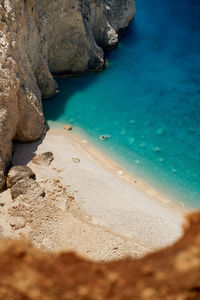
column 120, row 173
column 2, row 180
column 17, row 173
column 160, row 131
column 142, row 145
column 192, row 130
column 156, row 149
column 123, row 132
column 161, row 159
column 131, row 140
column 43, row 159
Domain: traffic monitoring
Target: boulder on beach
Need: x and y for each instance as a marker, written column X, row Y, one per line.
column 17, row 173
column 68, row 127
column 43, row 159
column 26, row 186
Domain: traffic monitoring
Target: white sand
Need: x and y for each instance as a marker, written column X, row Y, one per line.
column 110, row 216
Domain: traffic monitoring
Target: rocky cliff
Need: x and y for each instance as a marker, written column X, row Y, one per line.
column 38, row 38
column 170, row 274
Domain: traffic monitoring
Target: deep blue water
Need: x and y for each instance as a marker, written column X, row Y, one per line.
column 147, row 100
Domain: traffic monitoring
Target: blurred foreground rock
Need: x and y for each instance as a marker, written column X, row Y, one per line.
column 172, row 273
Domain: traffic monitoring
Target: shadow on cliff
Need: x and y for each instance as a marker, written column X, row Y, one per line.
column 54, row 107
column 23, row 153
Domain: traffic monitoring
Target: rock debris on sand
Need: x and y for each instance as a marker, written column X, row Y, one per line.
column 43, row 159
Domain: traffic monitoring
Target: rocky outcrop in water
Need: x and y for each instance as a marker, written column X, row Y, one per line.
column 170, row 274
column 38, row 38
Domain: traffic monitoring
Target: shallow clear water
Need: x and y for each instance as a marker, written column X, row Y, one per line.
column 148, row 100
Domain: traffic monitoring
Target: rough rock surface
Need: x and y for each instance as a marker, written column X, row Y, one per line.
column 17, row 173
column 25, row 186
column 172, row 273
column 43, row 159
column 38, row 38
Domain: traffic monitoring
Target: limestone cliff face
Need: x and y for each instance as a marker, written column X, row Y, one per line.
column 41, row 37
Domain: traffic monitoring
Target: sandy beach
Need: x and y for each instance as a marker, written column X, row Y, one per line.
column 91, row 205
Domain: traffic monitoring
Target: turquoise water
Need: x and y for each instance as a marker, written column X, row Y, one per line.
column 147, row 100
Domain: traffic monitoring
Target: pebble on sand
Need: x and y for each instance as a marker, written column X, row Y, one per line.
column 120, row 172
column 76, row 160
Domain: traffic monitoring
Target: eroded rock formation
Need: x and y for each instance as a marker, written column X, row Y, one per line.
column 170, row 274
column 41, row 37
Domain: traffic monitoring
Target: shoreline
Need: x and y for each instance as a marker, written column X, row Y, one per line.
column 79, row 141
column 89, row 207
column 136, row 188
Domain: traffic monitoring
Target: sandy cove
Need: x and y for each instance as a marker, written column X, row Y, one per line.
column 88, row 206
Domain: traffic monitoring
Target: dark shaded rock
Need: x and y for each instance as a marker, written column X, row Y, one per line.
column 17, row 173
column 27, row 186
column 43, row 159
column 2, row 182
column 2, row 177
